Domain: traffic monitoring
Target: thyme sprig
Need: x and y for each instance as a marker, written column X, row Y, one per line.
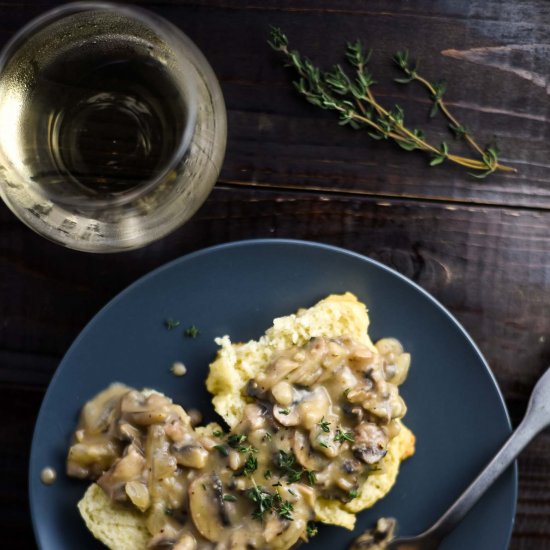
column 269, row 502
column 436, row 90
column 354, row 100
column 324, row 425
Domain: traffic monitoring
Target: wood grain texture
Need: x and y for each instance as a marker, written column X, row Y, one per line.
column 488, row 265
column 493, row 54
column 278, row 139
column 483, row 263
column 482, row 248
column 19, row 406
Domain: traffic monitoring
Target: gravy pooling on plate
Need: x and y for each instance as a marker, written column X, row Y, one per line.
column 319, row 421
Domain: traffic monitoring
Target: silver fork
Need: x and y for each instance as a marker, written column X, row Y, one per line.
column 537, row 417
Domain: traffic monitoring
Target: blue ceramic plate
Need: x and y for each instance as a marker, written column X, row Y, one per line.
column 455, row 407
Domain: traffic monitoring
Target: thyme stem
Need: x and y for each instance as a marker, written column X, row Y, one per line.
column 369, row 97
column 467, row 136
column 357, row 105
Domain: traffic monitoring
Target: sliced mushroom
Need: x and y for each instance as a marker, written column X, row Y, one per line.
column 358, row 394
column 279, row 369
column 402, row 365
column 253, row 390
column 390, row 370
column 308, row 373
column 368, row 432
column 91, row 460
column 371, row 443
column 275, row 527
column 207, row 507
column 335, row 348
column 376, row 538
column 99, row 411
column 287, row 416
column 354, row 411
column 128, row 468
column 147, row 417
column 351, row 467
column 138, row 494
column 144, row 411
column 254, row 418
column 176, row 430
column 165, row 533
column 283, row 393
column 346, row 484
column 164, row 465
column 241, row 539
column 313, row 407
column 235, row 460
column 190, row 456
column 281, row 533
column 398, row 407
column 390, row 348
column 128, row 432
column 369, row 454
column 346, row 378
column 324, row 444
column 195, row 417
column 381, row 410
column 309, row 497
column 161, row 542
column 159, row 523
column 161, row 465
column 218, row 492
column 304, row 453
column 361, row 352
column 394, row 428
column 186, row 542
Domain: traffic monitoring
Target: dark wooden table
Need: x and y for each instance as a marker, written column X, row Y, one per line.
column 481, row 247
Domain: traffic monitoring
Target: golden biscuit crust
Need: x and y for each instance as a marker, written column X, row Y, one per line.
column 236, row 364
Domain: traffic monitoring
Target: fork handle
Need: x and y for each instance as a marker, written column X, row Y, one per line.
column 536, row 418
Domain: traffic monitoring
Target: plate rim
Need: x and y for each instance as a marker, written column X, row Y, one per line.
column 261, row 242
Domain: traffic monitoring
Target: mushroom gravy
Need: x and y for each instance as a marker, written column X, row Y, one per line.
column 376, row 538
column 48, row 475
column 317, row 424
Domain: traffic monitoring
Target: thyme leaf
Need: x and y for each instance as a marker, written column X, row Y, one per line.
column 171, row 324
column 324, row 425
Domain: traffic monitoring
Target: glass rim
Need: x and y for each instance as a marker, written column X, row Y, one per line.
column 160, row 26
